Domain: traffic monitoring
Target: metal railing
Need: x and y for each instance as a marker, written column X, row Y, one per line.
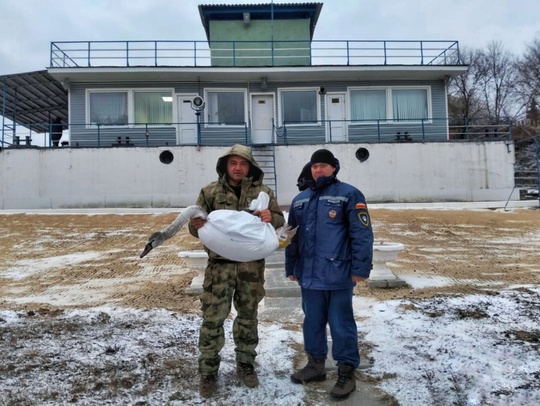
column 126, row 135
column 82, row 54
column 207, row 134
column 412, row 130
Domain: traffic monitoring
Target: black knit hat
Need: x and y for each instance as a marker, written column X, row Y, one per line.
column 323, row 156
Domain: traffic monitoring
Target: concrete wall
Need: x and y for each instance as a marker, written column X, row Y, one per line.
column 136, row 177
column 415, row 172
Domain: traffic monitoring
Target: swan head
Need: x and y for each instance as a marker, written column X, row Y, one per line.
column 159, row 237
column 155, row 240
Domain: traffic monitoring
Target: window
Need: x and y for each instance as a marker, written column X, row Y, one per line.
column 109, row 108
column 226, row 107
column 299, row 106
column 152, row 107
column 127, row 107
column 368, row 105
column 409, row 104
column 390, row 104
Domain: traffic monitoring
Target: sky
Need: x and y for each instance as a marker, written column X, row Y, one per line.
column 28, row 27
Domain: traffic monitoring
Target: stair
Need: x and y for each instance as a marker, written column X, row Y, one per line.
column 265, row 157
column 527, row 167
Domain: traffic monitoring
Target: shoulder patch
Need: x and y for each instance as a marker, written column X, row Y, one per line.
column 363, row 216
column 359, row 206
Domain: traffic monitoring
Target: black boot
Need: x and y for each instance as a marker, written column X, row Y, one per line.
column 346, row 382
column 313, row 371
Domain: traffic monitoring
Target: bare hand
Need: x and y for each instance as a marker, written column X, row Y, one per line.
column 265, row 215
column 358, row 279
column 197, row 222
column 292, row 278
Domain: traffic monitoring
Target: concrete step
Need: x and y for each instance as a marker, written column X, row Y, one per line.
column 281, row 310
column 277, row 285
column 276, row 259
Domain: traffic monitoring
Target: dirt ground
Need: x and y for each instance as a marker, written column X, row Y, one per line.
column 65, row 260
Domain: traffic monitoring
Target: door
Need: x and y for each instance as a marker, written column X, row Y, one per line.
column 262, row 115
column 187, row 120
column 336, row 127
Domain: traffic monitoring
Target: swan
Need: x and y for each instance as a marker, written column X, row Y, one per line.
column 159, row 237
column 284, row 234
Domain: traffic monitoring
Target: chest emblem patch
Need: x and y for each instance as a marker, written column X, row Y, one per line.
column 332, row 214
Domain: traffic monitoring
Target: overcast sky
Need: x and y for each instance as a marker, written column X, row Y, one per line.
column 27, row 27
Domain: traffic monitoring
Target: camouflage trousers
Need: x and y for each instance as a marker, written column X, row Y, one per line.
column 225, row 282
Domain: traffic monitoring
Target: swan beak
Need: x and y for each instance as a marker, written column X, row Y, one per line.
column 146, row 250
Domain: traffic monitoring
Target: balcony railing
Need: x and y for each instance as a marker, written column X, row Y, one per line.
column 82, row 54
column 212, row 134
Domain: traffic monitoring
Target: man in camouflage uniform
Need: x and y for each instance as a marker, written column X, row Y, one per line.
column 226, row 281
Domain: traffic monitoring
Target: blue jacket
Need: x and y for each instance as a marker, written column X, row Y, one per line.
column 334, row 240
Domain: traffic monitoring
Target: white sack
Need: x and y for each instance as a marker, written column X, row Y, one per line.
column 238, row 235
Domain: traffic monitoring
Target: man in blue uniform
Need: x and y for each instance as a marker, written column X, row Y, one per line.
column 331, row 252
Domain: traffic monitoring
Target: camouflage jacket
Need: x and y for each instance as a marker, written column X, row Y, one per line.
column 219, row 195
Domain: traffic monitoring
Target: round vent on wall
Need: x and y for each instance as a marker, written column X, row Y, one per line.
column 362, row 154
column 166, row 157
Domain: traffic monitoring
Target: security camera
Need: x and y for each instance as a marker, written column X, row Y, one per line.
column 197, row 103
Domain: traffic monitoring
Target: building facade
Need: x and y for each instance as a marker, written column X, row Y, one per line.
column 261, row 80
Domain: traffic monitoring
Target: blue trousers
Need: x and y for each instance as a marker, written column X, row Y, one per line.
column 332, row 307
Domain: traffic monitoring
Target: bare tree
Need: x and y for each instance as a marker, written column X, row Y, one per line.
column 528, row 84
column 464, row 97
column 489, row 88
column 498, row 81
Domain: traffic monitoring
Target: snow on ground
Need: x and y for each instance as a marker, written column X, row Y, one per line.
column 28, row 267
column 465, row 350
column 108, row 356
column 462, row 350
